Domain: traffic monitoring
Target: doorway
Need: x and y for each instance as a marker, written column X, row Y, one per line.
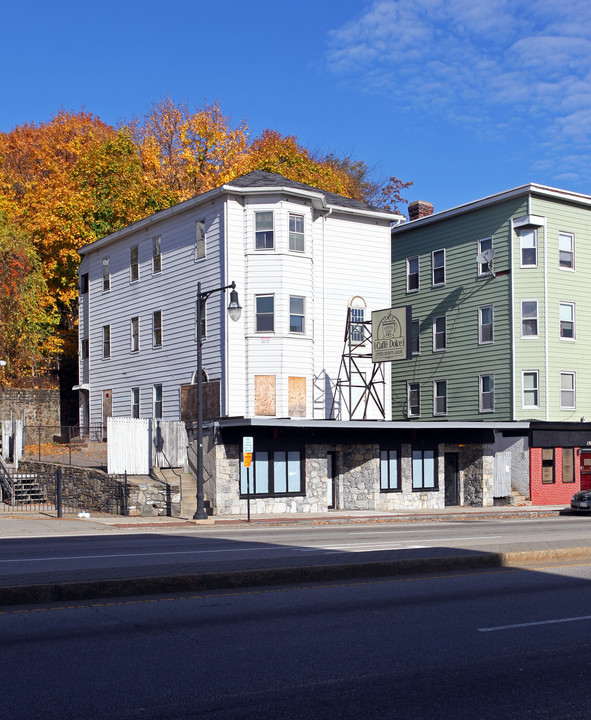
column 331, row 479
column 585, row 470
column 450, row 461
column 107, row 410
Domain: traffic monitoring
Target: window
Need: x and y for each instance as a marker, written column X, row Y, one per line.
column 438, row 266
column 412, row 274
column 84, row 284
column 106, row 341
column 199, row 239
column 487, row 393
column 157, row 328
column 566, row 251
column 529, row 318
column 416, row 337
column 134, row 265
column 414, row 399
column 529, row 248
column 567, row 321
column 548, row 465
column 265, row 313
column 485, row 324
column 157, row 402
column 296, row 232
column 106, row 274
column 357, row 317
column 135, row 334
column 274, row 473
column 567, row 391
column 439, row 333
column 84, row 349
column 156, row 254
column 296, row 315
column 568, row 465
column 483, row 245
column 530, row 384
column 135, row 402
column 264, row 230
column 439, row 397
column 423, row 470
column 389, row 470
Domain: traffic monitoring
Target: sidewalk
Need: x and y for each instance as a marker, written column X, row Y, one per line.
column 104, row 583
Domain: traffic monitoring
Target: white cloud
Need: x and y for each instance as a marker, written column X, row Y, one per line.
column 518, row 62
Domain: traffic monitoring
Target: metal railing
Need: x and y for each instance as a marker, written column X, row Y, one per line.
column 62, row 492
column 67, row 444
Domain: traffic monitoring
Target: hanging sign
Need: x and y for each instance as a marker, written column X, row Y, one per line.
column 390, row 330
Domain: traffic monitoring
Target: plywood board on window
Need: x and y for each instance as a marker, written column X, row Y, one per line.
column 296, row 391
column 211, row 401
column 264, row 394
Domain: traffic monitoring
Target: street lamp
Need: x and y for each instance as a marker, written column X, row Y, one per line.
column 234, row 311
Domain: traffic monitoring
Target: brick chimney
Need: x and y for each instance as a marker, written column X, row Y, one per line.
column 419, row 209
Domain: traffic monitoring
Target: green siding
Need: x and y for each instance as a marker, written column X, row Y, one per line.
column 459, row 299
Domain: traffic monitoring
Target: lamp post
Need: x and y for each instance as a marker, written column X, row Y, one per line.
column 234, row 311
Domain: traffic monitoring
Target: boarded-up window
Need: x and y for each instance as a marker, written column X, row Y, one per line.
column 211, row 401
column 548, row 465
column 264, row 394
column 296, row 396
column 568, row 465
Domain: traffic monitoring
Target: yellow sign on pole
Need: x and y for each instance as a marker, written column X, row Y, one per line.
column 247, row 459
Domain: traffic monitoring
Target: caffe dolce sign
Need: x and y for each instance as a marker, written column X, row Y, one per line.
column 390, row 334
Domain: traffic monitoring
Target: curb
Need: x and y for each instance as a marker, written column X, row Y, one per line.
column 129, row 587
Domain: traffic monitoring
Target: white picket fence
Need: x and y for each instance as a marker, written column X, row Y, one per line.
column 134, row 446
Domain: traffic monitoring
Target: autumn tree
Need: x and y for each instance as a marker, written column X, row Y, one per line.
column 28, row 340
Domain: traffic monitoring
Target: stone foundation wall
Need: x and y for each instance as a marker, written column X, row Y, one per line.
column 95, row 491
column 37, row 406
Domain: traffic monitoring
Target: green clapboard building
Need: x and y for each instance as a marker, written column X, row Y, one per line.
column 500, row 293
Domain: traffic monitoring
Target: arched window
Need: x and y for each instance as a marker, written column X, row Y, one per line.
column 357, row 307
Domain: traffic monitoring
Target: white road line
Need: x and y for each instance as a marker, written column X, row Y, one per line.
column 532, row 624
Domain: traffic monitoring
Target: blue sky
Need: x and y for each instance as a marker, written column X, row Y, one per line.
column 463, row 97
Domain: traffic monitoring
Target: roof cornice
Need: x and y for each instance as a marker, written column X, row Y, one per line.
column 529, row 189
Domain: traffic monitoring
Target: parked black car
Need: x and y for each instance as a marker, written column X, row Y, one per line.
column 581, row 500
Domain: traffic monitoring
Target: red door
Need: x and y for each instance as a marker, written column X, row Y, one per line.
column 585, row 470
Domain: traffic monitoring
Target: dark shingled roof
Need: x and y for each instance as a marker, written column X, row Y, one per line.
column 260, row 178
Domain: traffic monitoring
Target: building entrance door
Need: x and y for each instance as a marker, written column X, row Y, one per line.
column 107, row 409
column 331, row 465
column 450, row 461
column 585, row 470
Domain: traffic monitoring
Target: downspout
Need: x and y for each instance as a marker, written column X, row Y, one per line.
column 328, row 213
column 512, row 314
column 546, row 357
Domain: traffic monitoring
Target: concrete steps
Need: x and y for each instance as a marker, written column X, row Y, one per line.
column 175, row 477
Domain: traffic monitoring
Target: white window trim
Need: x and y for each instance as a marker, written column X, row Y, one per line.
column 256, row 314
column 107, row 357
column 481, row 325
column 289, row 232
column 159, row 255
column 574, row 390
column 161, row 386
column 481, row 393
column 132, row 264
column 435, row 396
column 154, row 345
column 106, row 261
column 536, row 245
column 200, row 257
column 132, row 349
column 418, row 287
column 523, row 389
column 436, row 349
column 486, row 272
column 537, row 335
column 131, row 393
column 570, row 304
column 572, row 237
column 433, row 283
column 408, row 386
column 264, row 249
column 303, row 315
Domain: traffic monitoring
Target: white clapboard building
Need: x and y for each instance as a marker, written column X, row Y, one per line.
column 303, row 261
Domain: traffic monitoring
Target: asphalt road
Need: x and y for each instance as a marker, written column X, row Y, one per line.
column 118, row 553
column 491, row 644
